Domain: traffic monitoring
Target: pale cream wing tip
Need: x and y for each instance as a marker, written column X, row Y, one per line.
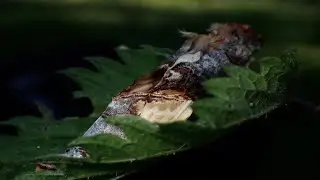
column 166, row 111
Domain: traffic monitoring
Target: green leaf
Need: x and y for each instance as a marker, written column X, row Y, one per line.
column 246, row 94
column 242, row 95
column 79, row 174
column 41, row 176
column 36, row 137
column 112, row 76
column 145, row 142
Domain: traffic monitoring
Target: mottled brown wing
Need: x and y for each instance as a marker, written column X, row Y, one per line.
column 155, row 104
column 145, row 83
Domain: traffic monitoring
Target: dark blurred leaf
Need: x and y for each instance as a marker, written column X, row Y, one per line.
column 113, row 76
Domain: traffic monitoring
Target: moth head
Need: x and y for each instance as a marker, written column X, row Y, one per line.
column 249, row 37
column 239, row 41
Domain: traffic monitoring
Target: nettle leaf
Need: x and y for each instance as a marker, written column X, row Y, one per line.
column 246, row 94
column 146, row 142
column 45, row 136
column 41, row 176
column 242, row 95
column 36, row 137
column 112, row 76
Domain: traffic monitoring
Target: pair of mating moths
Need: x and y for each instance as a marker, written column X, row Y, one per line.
column 166, row 94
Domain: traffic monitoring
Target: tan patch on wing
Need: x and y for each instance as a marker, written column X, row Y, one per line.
column 164, row 111
column 164, row 107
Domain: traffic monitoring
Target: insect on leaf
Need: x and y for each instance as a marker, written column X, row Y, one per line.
column 149, row 119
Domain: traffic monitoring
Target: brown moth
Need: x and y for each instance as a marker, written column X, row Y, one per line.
column 166, row 94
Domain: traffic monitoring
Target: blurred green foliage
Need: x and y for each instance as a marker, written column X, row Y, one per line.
column 36, row 27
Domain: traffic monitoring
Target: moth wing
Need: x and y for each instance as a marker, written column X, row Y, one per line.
column 165, row 111
column 145, row 83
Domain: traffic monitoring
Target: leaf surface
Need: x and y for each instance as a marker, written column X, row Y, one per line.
column 242, row 95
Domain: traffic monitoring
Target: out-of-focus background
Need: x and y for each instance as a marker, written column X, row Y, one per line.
column 40, row 37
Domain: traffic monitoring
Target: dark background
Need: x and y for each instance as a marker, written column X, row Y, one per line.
column 41, row 37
